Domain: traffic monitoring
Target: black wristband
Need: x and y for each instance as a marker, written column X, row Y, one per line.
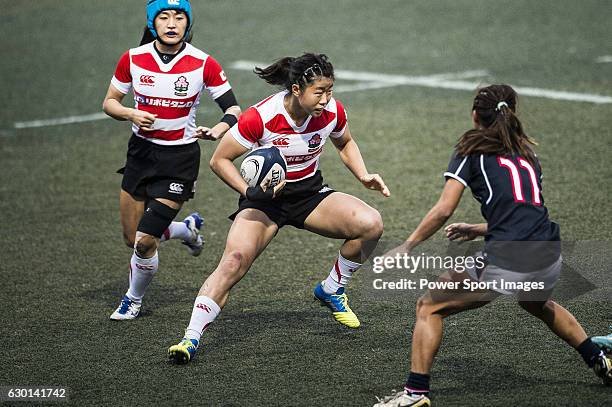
column 258, row 194
column 226, row 100
column 230, row 119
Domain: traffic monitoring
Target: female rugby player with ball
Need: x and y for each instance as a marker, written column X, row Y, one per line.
column 299, row 120
column 167, row 76
column 497, row 162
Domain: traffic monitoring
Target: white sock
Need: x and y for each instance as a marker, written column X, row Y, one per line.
column 205, row 310
column 141, row 274
column 177, row 230
column 340, row 274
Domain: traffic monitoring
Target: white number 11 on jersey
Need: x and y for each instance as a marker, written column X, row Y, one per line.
column 517, row 187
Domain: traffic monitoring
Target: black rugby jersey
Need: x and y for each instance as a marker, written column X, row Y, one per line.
column 509, row 190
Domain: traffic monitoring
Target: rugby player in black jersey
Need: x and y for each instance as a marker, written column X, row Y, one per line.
column 497, row 162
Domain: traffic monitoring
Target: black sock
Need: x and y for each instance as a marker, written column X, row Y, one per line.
column 589, row 352
column 417, row 384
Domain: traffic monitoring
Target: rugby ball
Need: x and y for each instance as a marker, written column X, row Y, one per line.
column 262, row 164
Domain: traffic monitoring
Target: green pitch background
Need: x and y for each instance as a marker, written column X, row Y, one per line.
column 64, row 267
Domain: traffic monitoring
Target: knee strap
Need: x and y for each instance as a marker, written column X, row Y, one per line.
column 156, row 218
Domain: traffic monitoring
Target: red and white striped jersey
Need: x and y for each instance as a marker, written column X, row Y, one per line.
column 269, row 124
column 171, row 91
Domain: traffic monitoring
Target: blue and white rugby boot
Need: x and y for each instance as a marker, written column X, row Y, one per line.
column 338, row 303
column 183, row 352
column 604, row 342
column 194, row 222
column 127, row 310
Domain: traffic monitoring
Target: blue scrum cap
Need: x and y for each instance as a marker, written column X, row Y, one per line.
column 154, row 7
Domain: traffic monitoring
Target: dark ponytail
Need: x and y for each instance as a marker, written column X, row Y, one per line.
column 301, row 71
column 278, row 73
column 500, row 131
column 147, row 36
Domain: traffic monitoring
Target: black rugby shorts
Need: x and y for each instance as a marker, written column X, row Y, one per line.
column 296, row 201
column 157, row 171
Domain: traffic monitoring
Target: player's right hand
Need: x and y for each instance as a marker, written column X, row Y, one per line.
column 461, row 232
column 262, row 192
column 206, row 133
column 375, row 182
column 144, row 120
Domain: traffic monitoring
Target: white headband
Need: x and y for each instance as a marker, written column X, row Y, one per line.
column 500, row 105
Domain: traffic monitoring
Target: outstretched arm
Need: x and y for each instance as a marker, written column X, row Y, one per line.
column 353, row 160
column 438, row 214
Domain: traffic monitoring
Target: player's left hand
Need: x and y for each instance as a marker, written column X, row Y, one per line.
column 206, row 133
column 376, row 183
column 461, row 232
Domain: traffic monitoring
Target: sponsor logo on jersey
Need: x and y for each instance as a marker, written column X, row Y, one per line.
column 181, row 86
column 281, row 142
column 203, row 307
column 153, row 101
column 175, row 188
column 314, row 142
column 147, row 80
column 299, row 159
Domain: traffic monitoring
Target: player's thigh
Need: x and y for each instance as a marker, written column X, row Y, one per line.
column 447, row 304
column 170, row 203
column 248, row 236
column 342, row 216
column 131, row 209
column 454, row 299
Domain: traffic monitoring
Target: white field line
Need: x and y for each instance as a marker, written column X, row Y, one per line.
column 379, row 85
column 373, row 80
column 62, row 120
column 448, row 81
column 604, row 59
column 373, row 76
column 362, row 86
column 460, row 75
column 69, row 120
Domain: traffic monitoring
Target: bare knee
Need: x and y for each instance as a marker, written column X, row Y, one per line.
column 233, row 266
column 424, row 307
column 232, row 261
column 146, row 246
column 128, row 239
column 427, row 307
column 370, row 225
column 236, row 262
